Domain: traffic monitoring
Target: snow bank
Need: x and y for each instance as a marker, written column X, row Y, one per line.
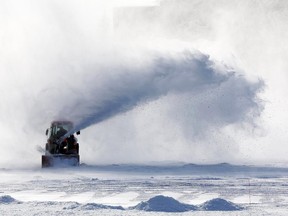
column 163, row 204
column 219, row 204
column 6, row 199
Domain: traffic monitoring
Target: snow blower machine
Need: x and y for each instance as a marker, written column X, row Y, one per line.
column 62, row 148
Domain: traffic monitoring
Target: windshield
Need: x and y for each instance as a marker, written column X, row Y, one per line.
column 59, row 129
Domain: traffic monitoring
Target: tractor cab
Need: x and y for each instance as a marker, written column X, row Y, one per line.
column 58, row 129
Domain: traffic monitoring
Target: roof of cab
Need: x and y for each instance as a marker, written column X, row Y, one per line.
column 61, row 122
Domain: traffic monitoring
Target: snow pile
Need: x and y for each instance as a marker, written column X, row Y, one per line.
column 219, row 204
column 164, row 204
column 168, row 204
column 6, row 199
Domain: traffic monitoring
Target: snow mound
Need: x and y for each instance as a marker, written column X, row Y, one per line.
column 163, row 204
column 168, row 204
column 219, row 204
column 6, row 199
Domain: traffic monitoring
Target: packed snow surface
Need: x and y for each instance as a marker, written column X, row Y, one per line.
column 187, row 189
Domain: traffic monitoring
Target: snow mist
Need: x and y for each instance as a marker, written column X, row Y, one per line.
column 145, row 80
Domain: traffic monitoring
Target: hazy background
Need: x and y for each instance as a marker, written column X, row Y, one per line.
column 191, row 81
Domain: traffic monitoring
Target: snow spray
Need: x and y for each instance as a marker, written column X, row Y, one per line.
column 176, row 80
